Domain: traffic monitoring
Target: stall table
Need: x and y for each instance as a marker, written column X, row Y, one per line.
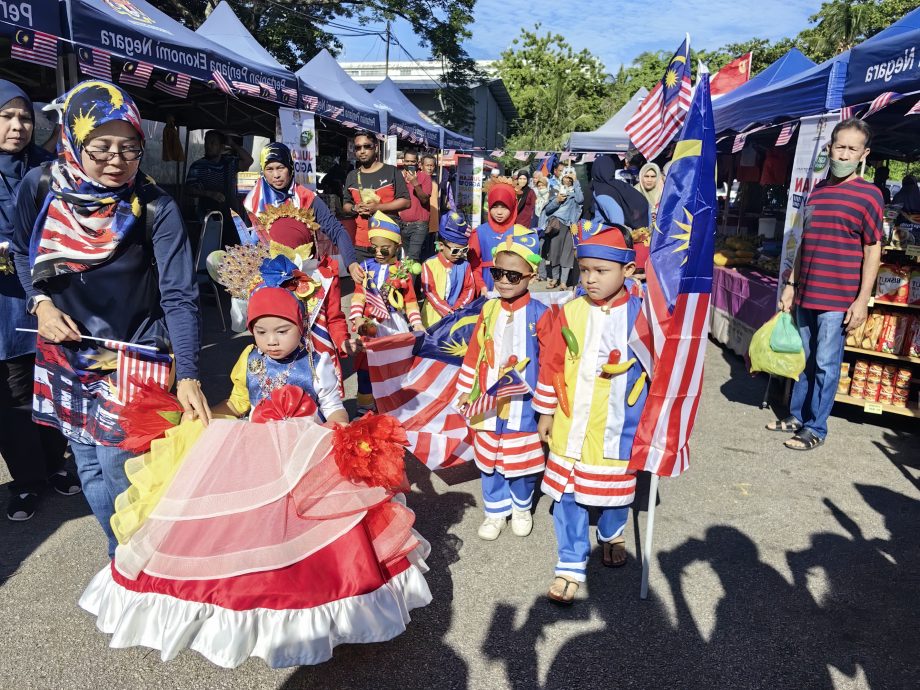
column 743, row 300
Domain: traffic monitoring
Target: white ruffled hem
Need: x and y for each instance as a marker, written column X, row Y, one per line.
column 293, row 637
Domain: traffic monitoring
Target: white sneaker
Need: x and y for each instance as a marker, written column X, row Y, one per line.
column 491, row 527
column 521, row 522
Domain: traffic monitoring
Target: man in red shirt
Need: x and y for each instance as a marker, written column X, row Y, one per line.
column 372, row 186
column 414, row 220
column 832, row 279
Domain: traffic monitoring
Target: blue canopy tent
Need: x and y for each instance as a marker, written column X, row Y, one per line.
column 137, row 32
column 888, row 61
column 403, row 118
column 810, row 91
column 32, row 29
column 328, row 91
column 453, row 141
column 258, row 66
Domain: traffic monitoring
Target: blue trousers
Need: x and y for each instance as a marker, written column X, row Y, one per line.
column 500, row 493
column 573, row 538
column 102, row 475
column 813, row 392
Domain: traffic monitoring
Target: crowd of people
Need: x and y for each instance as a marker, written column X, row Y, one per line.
column 198, row 506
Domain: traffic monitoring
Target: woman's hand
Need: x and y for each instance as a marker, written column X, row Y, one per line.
column 54, row 325
column 194, row 404
column 356, row 272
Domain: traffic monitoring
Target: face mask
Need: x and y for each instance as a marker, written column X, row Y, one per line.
column 843, row 169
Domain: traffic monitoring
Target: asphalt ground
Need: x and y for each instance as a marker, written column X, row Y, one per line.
column 771, row 568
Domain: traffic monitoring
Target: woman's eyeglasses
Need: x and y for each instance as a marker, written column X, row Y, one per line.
column 127, row 155
column 513, row 277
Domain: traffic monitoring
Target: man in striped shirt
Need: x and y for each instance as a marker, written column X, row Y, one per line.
column 832, row 279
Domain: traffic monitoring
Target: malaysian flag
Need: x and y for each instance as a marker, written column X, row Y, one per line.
column 375, row 302
column 660, row 116
column 310, row 102
column 588, row 157
column 95, row 63
column 847, row 112
column 220, row 81
column 136, row 366
column 35, row 47
column 414, row 378
column 785, row 135
column 679, row 284
column 136, row 74
column 497, row 153
column 521, row 156
column 289, row 95
column 915, row 109
column 268, row 91
column 509, row 385
column 247, row 88
column 881, row 101
column 738, row 143
column 174, row 84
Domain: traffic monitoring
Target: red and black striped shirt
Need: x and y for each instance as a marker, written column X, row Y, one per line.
column 840, row 219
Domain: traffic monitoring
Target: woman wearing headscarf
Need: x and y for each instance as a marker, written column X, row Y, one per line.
column 650, row 185
column 526, row 198
column 102, row 253
column 562, row 211
column 34, row 454
column 502, row 200
column 276, row 187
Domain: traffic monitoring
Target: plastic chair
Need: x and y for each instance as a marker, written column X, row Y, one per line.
column 212, row 228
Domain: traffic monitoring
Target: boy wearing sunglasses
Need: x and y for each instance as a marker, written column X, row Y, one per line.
column 590, row 394
column 385, row 302
column 447, row 279
column 496, row 383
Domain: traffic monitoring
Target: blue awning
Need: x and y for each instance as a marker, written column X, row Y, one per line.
column 810, row 91
column 328, row 91
column 457, row 142
column 889, row 61
column 403, row 118
column 258, row 66
column 33, row 15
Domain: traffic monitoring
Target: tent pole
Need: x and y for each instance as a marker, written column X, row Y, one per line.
column 649, row 535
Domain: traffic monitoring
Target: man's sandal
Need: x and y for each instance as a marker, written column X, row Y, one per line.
column 614, row 553
column 789, row 425
column 804, row 440
column 564, row 595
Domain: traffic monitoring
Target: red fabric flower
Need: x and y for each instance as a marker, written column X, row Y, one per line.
column 284, row 403
column 152, row 411
column 372, row 450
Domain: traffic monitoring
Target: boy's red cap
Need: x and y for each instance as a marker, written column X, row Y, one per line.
column 274, row 301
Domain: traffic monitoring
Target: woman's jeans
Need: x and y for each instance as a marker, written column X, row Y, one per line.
column 102, row 475
column 814, row 391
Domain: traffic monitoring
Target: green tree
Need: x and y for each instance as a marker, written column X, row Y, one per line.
column 296, row 30
column 839, row 25
column 555, row 89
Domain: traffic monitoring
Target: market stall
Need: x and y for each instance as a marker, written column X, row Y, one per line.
column 403, row 118
column 610, row 136
column 31, row 33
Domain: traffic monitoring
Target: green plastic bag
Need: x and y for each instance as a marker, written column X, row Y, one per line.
column 785, row 336
column 763, row 358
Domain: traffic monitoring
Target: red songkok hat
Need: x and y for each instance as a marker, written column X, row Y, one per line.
column 274, row 301
column 290, row 232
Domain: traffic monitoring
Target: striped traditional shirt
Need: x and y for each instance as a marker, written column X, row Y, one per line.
column 840, row 219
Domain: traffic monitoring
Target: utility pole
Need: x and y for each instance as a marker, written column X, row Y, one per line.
column 386, row 68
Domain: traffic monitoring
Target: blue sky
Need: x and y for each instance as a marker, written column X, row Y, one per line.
column 614, row 30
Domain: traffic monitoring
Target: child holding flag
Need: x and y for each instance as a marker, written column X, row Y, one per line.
column 447, row 279
column 496, row 384
column 591, row 391
column 385, row 302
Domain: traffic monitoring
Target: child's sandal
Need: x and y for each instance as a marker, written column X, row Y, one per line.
column 566, row 595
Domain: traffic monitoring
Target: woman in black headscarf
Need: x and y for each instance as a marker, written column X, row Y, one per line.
column 527, row 198
column 34, row 454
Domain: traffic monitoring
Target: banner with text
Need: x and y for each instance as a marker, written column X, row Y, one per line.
column 298, row 133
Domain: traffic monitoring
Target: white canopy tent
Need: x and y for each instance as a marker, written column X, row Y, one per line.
column 611, row 136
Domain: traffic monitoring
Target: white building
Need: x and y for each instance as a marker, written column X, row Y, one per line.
column 492, row 107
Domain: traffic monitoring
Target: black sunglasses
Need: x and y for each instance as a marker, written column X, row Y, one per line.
column 513, row 277
column 382, row 251
column 360, row 147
